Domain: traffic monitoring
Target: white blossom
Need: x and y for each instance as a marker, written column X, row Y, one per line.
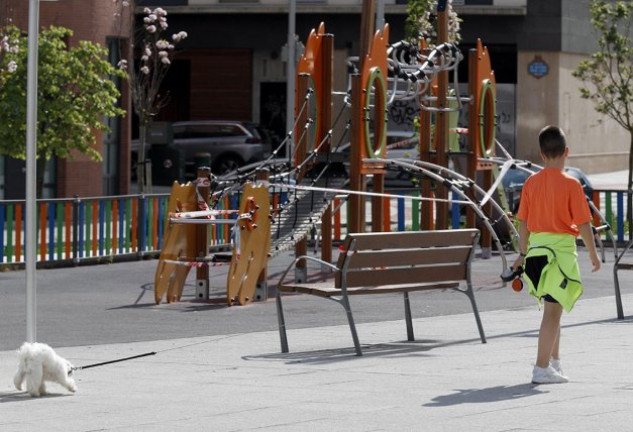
column 160, row 12
column 162, row 54
column 162, row 44
column 12, row 66
column 151, row 29
column 147, row 11
column 122, row 64
column 148, row 51
column 145, row 70
column 165, row 60
column 152, row 17
column 179, row 36
column 144, row 58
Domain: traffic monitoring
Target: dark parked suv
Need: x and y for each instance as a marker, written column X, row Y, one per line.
column 231, row 144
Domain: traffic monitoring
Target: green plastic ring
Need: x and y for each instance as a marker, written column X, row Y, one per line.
column 487, row 91
column 375, row 75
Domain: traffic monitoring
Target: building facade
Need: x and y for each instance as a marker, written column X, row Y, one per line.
column 234, row 63
column 232, row 66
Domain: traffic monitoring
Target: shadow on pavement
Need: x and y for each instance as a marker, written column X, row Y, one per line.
column 486, row 395
column 21, row 396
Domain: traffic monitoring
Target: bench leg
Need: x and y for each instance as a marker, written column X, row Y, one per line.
column 407, row 317
column 282, row 324
column 350, row 319
column 618, row 298
column 471, row 295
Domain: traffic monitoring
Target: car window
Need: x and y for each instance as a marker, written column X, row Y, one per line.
column 210, row 131
column 254, row 130
column 514, row 177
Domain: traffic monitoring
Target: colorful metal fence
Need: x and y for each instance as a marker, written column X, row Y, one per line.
column 92, row 228
column 79, row 228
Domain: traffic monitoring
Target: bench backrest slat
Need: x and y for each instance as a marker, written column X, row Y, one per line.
column 372, row 259
column 407, row 239
column 404, row 257
column 398, row 276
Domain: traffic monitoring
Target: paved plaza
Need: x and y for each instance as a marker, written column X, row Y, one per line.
column 220, row 369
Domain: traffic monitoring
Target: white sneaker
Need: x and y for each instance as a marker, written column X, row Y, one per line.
column 556, row 365
column 547, row 375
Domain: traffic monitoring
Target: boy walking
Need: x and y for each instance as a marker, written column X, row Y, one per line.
column 552, row 212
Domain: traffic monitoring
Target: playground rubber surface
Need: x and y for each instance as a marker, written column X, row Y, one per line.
column 219, row 368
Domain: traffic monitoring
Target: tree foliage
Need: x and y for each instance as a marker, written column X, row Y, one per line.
column 75, row 93
column 421, row 22
column 607, row 75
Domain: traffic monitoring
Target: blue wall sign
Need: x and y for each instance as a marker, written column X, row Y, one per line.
column 538, row 67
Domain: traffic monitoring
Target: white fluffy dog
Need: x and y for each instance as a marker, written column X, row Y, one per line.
column 39, row 363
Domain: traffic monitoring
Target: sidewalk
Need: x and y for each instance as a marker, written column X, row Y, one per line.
column 445, row 381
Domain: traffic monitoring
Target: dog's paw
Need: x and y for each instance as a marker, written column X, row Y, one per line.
column 71, row 386
column 17, row 381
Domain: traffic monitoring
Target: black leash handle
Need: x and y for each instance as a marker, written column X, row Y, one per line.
column 113, row 361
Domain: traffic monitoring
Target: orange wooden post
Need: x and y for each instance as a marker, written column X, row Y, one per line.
column 386, row 204
column 355, row 218
column 471, row 164
column 379, row 205
column 301, row 145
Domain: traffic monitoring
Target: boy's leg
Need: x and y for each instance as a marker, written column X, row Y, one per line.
column 556, row 348
column 549, row 334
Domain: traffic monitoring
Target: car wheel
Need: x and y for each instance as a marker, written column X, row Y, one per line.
column 226, row 164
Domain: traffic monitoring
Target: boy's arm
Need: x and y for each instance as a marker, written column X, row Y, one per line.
column 586, row 233
column 524, row 236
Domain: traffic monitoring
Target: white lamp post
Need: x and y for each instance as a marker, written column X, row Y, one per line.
column 31, row 154
column 31, row 173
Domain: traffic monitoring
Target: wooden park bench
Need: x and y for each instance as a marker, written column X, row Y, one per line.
column 384, row 263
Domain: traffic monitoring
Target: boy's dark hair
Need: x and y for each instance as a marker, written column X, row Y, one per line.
column 552, row 141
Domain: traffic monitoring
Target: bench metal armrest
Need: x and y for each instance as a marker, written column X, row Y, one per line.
column 309, row 258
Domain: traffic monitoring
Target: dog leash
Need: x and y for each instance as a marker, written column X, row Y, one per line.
column 147, row 354
column 77, row 368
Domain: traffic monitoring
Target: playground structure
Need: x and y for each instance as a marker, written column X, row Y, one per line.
column 276, row 213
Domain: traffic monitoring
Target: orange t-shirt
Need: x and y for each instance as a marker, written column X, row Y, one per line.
column 554, row 202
